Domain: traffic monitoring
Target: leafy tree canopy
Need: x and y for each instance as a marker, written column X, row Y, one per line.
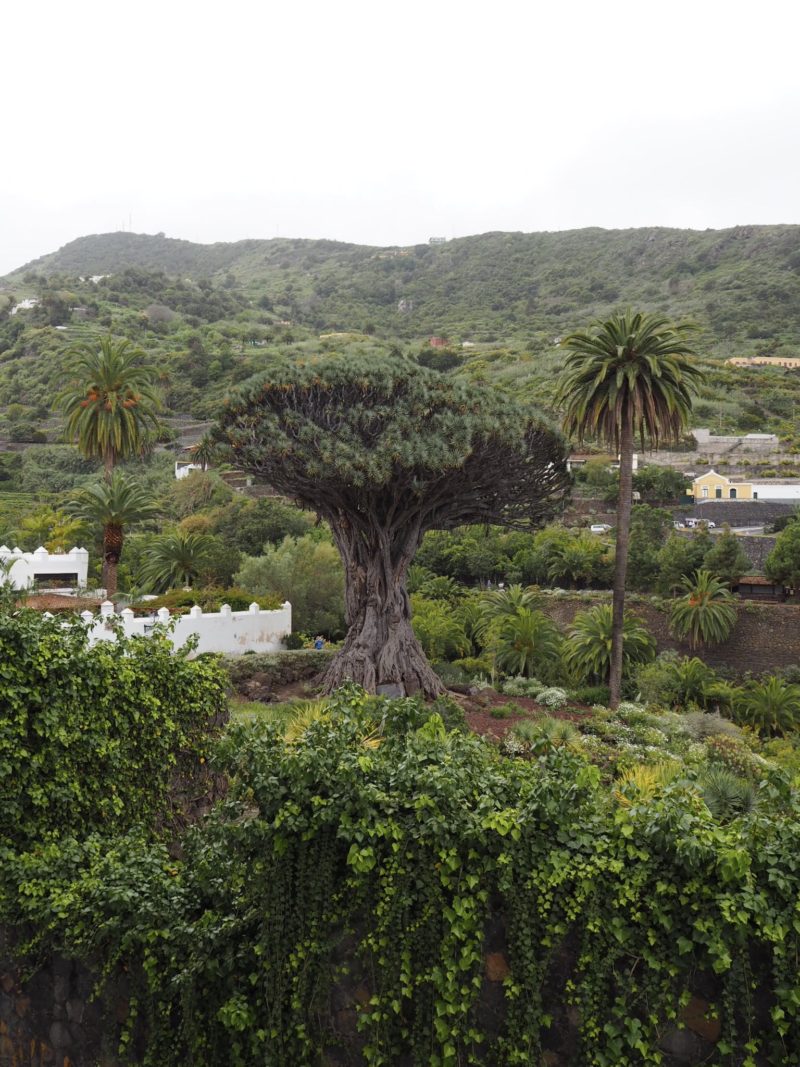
column 342, row 431
column 783, row 562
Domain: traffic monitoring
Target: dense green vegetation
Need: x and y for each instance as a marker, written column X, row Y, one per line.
column 214, row 315
column 742, row 284
column 365, row 849
column 364, row 846
column 91, row 738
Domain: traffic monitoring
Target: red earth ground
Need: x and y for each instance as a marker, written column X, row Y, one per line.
column 477, row 708
column 478, row 712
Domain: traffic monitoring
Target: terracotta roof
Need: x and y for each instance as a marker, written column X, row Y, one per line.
column 756, row 579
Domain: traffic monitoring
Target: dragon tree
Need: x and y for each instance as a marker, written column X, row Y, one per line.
column 383, row 450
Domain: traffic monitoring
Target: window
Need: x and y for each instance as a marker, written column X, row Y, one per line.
column 719, row 492
column 733, row 494
column 705, row 490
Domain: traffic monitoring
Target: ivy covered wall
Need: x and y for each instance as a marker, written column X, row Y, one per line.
column 384, row 891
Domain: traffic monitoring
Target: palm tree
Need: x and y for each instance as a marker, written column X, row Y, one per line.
column 498, row 604
column 706, row 614
column 176, row 558
column 111, row 405
column 527, row 643
column 589, row 645
column 114, row 505
column 630, row 376
column 771, row 707
column 205, row 452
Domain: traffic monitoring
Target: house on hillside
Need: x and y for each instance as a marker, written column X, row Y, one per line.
column 56, row 570
column 183, row 470
column 580, row 459
column 788, row 362
column 714, row 486
column 757, row 587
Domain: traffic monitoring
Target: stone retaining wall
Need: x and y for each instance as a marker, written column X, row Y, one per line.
column 50, row 1019
column 766, row 636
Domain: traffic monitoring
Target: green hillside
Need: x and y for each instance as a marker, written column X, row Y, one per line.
column 212, row 315
column 742, row 285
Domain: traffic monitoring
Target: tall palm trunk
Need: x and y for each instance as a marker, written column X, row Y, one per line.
column 113, row 537
column 621, row 557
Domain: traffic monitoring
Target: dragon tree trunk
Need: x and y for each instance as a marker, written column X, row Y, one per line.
column 380, row 647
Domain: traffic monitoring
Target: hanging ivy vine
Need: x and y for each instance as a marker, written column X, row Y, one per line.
column 341, row 897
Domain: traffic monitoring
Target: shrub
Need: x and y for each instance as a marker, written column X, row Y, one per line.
column 706, row 614
column 726, row 795
column 552, row 697
column 505, row 711
column 521, row 687
column 702, row 724
column 279, row 668
column 525, row 642
column 382, row 842
column 472, row 665
column 733, row 753
column 91, row 737
column 591, row 695
column 306, row 571
column 451, row 673
column 771, row 707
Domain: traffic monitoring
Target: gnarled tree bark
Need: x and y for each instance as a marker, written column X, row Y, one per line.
column 380, row 647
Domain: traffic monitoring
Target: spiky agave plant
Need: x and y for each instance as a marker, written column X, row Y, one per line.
column 726, row 795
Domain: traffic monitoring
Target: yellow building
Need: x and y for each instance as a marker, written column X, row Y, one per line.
column 765, row 361
column 713, row 486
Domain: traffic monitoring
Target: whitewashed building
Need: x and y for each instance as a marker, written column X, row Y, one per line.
column 43, row 568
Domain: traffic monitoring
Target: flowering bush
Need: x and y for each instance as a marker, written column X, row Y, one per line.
column 552, row 697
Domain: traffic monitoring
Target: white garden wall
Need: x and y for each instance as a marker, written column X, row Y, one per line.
column 226, row 631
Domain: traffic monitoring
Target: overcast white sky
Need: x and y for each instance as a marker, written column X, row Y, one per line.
column 389, row 123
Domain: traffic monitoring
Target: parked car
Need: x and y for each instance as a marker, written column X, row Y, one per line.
column 693, row 523
column 599, row 527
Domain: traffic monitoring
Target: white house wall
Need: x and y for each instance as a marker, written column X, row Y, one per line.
column 766, row 491
column 29, row 567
